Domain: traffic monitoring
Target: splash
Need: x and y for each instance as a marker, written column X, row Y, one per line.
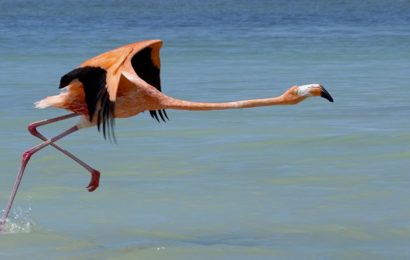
column 18, row 222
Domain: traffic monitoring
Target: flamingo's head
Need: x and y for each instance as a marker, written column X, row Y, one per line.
column 313, row 90
column 297, row 94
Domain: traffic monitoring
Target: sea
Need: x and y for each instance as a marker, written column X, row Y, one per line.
column 317, row 180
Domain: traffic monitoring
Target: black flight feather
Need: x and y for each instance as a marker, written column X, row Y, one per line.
column 144, row 67
column 96, row 96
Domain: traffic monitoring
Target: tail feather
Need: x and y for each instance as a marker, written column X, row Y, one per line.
column 41, row 104
column 54, row 101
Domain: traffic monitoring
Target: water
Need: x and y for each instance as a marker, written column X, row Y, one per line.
column 317, row 180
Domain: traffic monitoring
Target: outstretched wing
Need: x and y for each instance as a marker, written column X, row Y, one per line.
column 101, row 75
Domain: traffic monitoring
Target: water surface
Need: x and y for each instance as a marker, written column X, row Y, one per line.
column 317, row 180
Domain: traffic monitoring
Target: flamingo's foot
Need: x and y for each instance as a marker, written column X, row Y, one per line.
column 95, row 181
column 2, row 226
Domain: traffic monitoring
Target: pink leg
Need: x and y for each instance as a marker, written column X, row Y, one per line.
column 95, row 175
column 26, row 157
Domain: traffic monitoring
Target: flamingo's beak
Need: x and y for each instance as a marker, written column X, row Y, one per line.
column 313, row 90
column 325, row 94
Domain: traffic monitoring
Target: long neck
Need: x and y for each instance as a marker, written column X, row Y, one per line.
column 156, row 100
column 173, row 103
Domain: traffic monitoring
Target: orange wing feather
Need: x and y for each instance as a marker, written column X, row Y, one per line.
column 118, row 60
column 111, row 62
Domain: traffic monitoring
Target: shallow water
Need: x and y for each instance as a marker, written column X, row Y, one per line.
column 317, row 180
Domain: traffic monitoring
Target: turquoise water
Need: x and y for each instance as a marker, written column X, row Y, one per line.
column 317, row 180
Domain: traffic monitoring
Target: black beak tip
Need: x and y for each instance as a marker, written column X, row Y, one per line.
column 325, row 94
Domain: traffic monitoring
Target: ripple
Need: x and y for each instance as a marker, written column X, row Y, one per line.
column 19, row 222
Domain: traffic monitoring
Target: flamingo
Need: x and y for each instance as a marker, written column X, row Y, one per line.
column 122, row 83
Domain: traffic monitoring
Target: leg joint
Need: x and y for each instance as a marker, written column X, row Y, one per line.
column 32, row 128
column 27, row 155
